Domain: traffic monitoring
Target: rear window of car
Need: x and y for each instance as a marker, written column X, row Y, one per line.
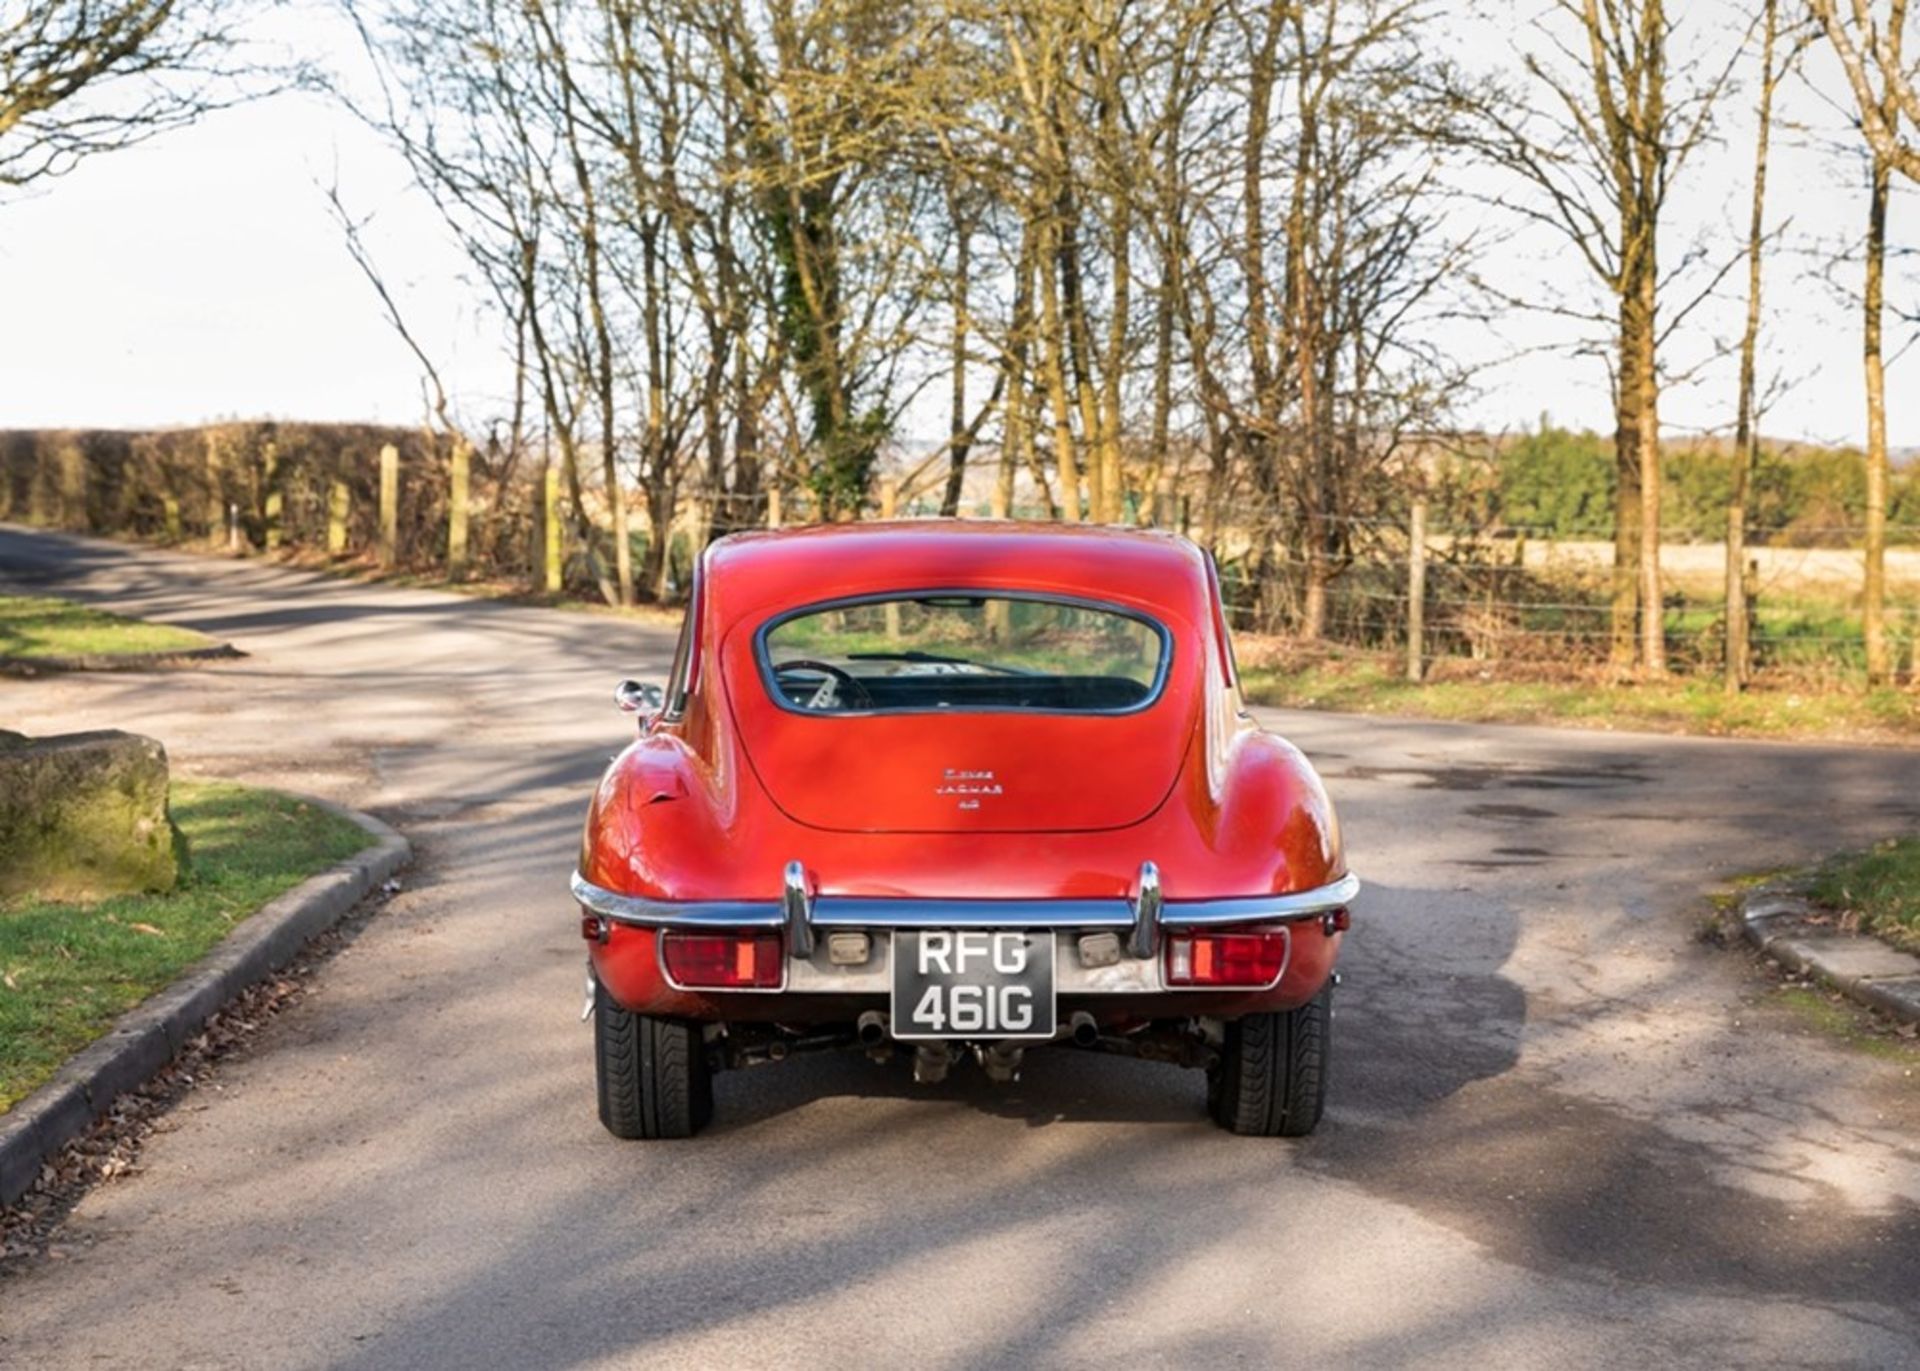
column 963, row 651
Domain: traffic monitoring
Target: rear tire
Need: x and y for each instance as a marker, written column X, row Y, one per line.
column 1271, row 1080
column 653, row 1077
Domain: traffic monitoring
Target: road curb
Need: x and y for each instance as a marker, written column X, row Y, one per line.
column 147, row 1037
column 1863, row 969
column 119, row 661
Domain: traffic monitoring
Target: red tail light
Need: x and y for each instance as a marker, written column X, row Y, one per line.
column 722, row 961
column 1240, row 960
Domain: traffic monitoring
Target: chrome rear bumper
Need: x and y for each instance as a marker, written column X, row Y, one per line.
column 801, row 913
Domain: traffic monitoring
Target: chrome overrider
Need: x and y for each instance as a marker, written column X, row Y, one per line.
column 802, row 914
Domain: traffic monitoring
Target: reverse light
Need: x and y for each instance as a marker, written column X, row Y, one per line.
column 722, row 961
column 1237, row 960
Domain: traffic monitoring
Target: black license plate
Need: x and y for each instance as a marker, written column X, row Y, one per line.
column 972, row 983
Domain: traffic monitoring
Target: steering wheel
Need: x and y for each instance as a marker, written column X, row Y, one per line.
column 837, row 678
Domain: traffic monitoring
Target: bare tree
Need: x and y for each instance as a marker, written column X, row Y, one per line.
column 1888, row 117
column 1746, row 441
column 1320, row 227
column 1597, row 138
column 78, row 77
column 1124, row 237
column 1870, row 42
column 1868, row 36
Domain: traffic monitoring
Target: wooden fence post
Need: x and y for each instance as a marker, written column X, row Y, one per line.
column 1739, row 650
column 389, row 505
column 339, row 502
column 457, row 510
column 1417, row 593
column 663, row 575
column 773, row 506
column 550, row 546
column 1750, row 593
column 1000, row 506
column 276, row 498
column 216, row 487
column 1166, row 507
column 889, row 504
column 699, row 534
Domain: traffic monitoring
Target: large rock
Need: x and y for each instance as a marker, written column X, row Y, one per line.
column 84, row 815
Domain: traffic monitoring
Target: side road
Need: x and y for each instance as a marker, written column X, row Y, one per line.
column 147, row 1037
column 1562, row 1129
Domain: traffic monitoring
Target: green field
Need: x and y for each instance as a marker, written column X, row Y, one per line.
column 67, row 970
column 40, row 628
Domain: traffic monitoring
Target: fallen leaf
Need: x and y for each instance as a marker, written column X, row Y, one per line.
column 146, row 928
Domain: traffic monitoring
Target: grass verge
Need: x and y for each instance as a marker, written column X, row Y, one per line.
column 37, row 627
column 68, row 970
column 1877, row 890
column 1828, row 1013
column 1370, row 684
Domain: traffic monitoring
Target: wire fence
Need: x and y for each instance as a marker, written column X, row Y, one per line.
column 1484, row 592
column 1489, row 595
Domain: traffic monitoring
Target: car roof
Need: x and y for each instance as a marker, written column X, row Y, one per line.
column 757, row 572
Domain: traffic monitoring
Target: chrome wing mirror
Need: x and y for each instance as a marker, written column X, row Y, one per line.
column 635, row 698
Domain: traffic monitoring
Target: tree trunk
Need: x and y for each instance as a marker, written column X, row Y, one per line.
column 1054, row 364
column 1879, row 659
column 1653, row 623
column 1313, row 609
column 552, row 547
column 459, row 494
column 1112, row 485
column 659, row 575
column 1746, row 445
column 662, row 492
column 749, row 475
column 602, row 365
column 1079, row 338
column 617, row 503
column 958, row 446
column 1627, row 505
column 1014, row 433
column 1650, row 154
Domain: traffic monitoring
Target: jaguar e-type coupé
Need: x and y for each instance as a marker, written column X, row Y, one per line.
column 958, row 789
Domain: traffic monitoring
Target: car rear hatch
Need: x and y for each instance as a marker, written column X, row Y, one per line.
column 967, row 773
column 965, row 766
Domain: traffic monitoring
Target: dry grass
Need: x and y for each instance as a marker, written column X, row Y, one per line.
column 1570, row 695
column 1699, row 569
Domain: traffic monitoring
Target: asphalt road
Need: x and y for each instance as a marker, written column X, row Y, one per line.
column 1562, row 1131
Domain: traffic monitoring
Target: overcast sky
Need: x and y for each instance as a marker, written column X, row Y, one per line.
column 201, row 277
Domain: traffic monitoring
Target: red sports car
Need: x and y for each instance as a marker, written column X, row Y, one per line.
column 958, row 788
